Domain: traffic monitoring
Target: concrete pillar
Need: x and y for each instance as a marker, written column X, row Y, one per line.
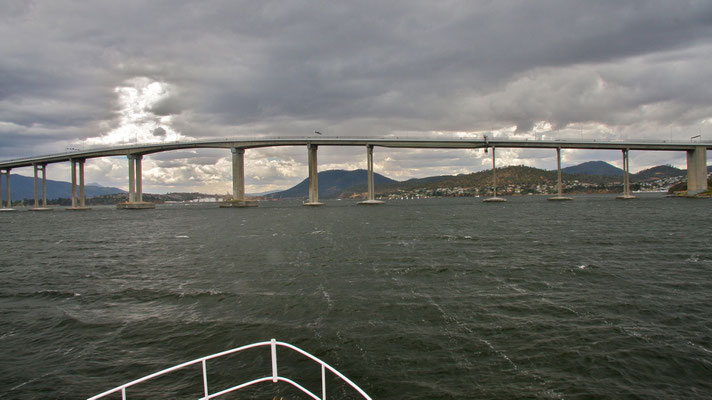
column 697, row 170
column 238, row 174
column 78, row 200
column 6, row 206
column 44, row 185
column 139, row 178
column 560, row 182
column 691, row 173
column 371, row 185
column 558, row 168
column 626, row 178
column 313, row 177
column 494, row 198
column 369, row 162
column 135, row 185
column 37, row 202
column 37, row 168
column 132, row 179
column 626, row 163
column 74, row 183
column 494, row 173
column 9, row 192
column 82, row 198
column 238, row 182
column 2, row 200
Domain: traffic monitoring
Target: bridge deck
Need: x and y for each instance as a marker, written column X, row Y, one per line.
column 394, row 142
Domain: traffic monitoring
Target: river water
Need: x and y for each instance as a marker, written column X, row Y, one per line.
column 415, row 299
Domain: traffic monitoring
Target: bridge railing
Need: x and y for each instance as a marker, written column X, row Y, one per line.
column 275, row 377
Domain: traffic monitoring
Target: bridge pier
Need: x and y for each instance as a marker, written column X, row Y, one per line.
column 626, row 178
column 238, row 182
column 313, row 177
column 371, row 186
column 37, row 207
column 696, row 170
column 135, row 186
column 494, row 198
column 8, row 207
column 78, row 203
column 560, row 196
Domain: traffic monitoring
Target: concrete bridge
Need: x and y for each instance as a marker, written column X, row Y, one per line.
column 696, row 162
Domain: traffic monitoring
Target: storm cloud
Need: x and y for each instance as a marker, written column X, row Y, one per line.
column 80, row 74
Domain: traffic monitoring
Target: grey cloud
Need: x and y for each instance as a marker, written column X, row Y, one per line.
column 168, row 106
column 160, row 132
column 371, row 68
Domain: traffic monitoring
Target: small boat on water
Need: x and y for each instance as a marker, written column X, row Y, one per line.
column 275, row 377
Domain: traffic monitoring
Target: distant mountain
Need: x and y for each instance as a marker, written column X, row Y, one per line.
column 659, row 172
column 23, row 187
column 332, row 183
column 601, row 168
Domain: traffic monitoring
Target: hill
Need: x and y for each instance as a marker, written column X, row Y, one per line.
column 332, row 183
column 594, row 177
column 601, row 168
column 519, row 179
column 23, row 187
column 659, row 172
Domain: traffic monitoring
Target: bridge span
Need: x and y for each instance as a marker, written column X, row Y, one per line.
column 696, row 162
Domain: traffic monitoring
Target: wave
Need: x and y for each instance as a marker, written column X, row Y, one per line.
column 47, row 294
column 150, row 294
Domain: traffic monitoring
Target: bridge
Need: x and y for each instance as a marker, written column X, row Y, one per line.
column 696, row 162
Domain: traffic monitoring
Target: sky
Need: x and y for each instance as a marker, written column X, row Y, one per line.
column 75, row 75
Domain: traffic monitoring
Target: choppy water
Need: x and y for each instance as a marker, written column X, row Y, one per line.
column 428, row 299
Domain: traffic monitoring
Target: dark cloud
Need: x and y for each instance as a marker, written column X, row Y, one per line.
column 160, row 132
column 242, row 68
column 168, row 106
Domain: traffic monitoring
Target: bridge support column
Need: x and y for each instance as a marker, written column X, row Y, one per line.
column 44, row 185
column 132, row 180
column 626, row 178
column 494, row 198
column 560, row 196
column 78, row 203
column 238, row 182
column 74, row 183
column 313, row 177
column 371, row 186
column 697, row 170
column 135, row 186
column 37, row 168
column 139, row 179
column 8, row 207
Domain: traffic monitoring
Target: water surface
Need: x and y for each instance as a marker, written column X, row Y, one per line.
column 420, row 299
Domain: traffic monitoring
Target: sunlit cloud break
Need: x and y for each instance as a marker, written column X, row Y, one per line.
column 138, row 121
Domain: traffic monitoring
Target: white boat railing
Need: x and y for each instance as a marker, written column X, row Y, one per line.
column 274, row 377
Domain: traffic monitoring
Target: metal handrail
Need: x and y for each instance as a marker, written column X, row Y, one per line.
column 274, row 377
